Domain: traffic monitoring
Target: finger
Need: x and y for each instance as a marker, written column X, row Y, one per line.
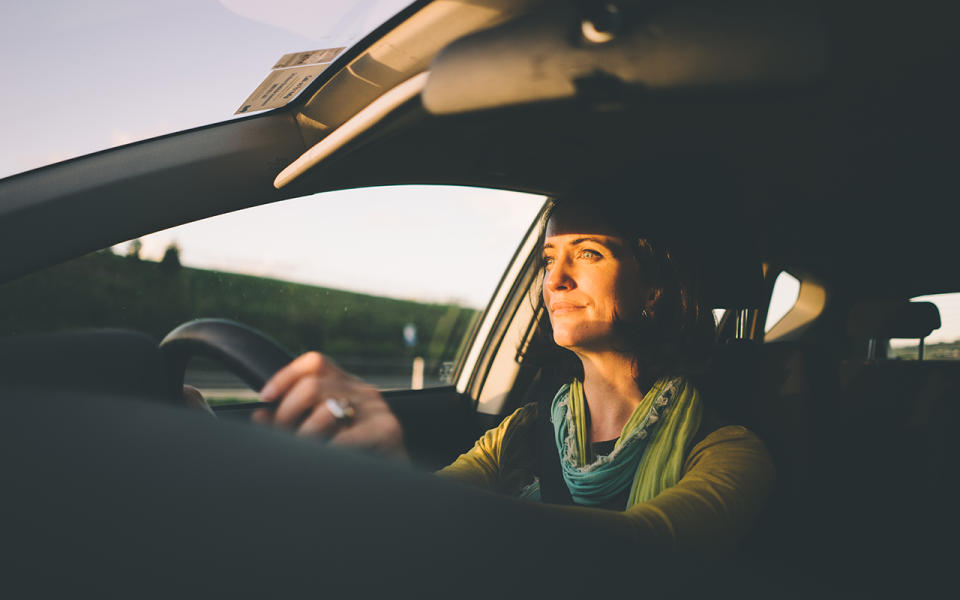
column 320, row 423
column 261, row 415
column 311, row 363
column 306, row 393
column 194, row 399
column 379, row 430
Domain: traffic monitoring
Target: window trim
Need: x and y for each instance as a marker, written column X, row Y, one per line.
column 489, row 369
column 811, row 301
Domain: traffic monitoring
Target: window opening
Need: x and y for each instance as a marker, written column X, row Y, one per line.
column 786, row 290
column 942, row 343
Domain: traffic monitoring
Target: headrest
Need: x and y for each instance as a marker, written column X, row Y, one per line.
column 893, row 319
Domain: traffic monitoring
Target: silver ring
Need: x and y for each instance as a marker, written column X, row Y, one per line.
column 342, row 410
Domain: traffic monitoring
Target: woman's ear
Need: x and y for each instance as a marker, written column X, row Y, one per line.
column 651, row 301
column 652, row 297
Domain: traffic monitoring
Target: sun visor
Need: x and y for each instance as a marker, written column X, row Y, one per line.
column 627, row 48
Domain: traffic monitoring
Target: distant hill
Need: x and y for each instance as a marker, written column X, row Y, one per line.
column 106, row 290
column 941, row 351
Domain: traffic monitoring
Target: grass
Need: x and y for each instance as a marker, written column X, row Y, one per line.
column 939, row 351
column 106, row 290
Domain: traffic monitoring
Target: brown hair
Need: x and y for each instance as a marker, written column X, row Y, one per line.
column 672, row 336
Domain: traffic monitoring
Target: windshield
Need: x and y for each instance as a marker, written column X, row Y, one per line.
column 87, row 76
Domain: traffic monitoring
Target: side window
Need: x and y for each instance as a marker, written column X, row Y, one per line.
column 942, row 343
column 387, row 281
column 786, row 291
column 718, row 315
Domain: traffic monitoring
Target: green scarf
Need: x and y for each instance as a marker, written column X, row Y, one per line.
column 649, row 453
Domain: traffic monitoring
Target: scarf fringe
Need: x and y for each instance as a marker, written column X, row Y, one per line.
column 656, row 450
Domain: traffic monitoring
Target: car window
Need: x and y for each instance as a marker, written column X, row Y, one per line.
column 387, row 281
column 786, row 290
column 718, row 315
column 942, row 343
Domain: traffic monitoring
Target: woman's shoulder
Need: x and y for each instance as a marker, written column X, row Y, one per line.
column 522, row 419
column 730, row 432
column 731, row 445
column 519, row 424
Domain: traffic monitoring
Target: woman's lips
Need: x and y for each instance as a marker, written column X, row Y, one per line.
column 559, row 308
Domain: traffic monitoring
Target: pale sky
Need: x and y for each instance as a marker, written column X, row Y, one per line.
column 949, row 305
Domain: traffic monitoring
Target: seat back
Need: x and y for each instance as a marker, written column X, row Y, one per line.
column 776, row 390
column 103, row 361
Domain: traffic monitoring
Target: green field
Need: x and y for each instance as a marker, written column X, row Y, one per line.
column 940, row 351
column 106, row 290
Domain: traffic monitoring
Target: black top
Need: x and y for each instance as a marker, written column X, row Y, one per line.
column 598, row 449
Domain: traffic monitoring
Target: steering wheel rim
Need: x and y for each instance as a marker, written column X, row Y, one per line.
column 246, row 352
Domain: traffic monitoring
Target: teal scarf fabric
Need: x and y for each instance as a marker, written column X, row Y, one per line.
column 648, row 456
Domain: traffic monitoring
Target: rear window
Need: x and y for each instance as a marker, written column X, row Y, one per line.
column 942, row 343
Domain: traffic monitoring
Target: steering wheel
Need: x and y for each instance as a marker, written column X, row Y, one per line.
column 246, row 352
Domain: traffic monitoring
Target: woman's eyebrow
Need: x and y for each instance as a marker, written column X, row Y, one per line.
column 603, row 242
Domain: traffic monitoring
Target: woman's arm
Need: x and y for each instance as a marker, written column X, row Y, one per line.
column 504, row 458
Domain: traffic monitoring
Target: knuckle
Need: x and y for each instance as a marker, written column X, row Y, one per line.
column 314, row 361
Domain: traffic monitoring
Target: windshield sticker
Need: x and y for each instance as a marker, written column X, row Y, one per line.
column 280, row 87
column 311, row 57
column 292, row 73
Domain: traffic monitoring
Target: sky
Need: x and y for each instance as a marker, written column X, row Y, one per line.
column 87, row 75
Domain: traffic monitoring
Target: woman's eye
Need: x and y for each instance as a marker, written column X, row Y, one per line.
column 591, row 254
column 547, row 261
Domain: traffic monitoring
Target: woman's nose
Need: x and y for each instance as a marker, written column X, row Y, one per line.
column 559, row 277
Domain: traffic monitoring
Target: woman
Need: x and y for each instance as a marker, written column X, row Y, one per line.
column 629, row 432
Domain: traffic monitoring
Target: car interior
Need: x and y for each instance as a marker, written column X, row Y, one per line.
column 808, row 138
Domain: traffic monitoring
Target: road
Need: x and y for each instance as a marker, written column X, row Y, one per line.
column 223, row 384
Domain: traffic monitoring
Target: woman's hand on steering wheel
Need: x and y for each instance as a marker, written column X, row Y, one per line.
column 312, row 388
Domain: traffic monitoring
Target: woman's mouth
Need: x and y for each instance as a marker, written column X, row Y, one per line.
column 559, row 308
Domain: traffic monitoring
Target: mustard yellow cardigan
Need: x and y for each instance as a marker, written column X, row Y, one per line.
column 725, row 482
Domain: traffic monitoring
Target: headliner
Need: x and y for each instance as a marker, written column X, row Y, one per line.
column 848, row 180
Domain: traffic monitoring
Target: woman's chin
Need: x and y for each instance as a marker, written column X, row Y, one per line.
column 583, row 341
column 572, row 340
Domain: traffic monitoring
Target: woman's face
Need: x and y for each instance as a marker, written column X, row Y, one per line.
column 590, row 278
